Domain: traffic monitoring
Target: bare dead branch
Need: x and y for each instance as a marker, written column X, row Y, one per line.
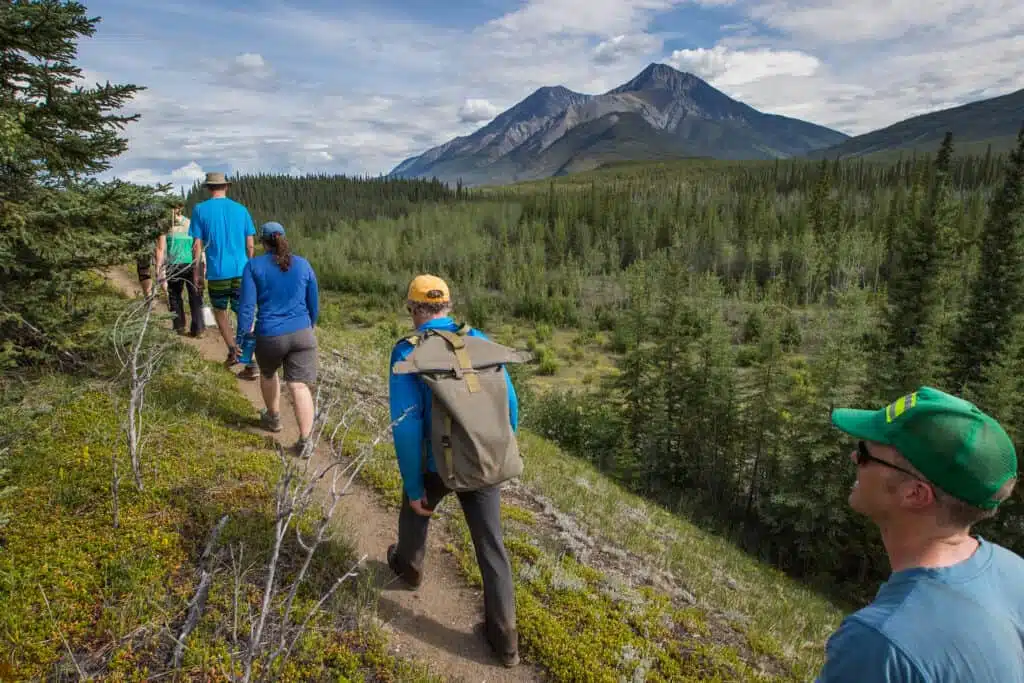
column 273, row 636
column 140, row 358
column 198, row 602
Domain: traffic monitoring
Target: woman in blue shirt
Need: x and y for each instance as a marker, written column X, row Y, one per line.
column 280, row 289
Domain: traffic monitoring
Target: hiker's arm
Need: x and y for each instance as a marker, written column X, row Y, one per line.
column 513, row 402
column 856, row 652
column 408, row 434
column 250, row 235
column 158, row 257
column 312, row 297
column 246, row 304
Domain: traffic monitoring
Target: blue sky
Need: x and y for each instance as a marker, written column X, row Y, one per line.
column 357, row 86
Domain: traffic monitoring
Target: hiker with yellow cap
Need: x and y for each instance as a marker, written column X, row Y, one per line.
column 455, row 414
column 929, row 467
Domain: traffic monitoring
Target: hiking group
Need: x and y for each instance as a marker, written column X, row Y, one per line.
column 929, row 466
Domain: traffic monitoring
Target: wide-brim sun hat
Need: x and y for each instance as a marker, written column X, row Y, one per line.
column 216, row 178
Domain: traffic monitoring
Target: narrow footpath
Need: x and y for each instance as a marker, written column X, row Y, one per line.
column 432, row 624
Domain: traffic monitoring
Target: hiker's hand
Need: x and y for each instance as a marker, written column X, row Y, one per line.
column 420, row 507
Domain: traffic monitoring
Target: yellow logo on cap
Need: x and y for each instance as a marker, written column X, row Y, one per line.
column 900, row 406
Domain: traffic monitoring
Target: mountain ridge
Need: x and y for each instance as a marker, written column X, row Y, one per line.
column 994, row 119
column 660, row 112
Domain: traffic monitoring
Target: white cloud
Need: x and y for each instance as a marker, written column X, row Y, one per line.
column 827, row 21
column 181, row 178
column 731, row 67
column 250, row 61
column 625, row 46
column 354, row 92
column 477, row 110
column 603, row 18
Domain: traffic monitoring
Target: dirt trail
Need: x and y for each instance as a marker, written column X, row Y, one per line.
column 432, row 624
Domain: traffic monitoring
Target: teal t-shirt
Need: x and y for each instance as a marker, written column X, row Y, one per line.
column 179, row 243
column 222, row 224
column 959, row 623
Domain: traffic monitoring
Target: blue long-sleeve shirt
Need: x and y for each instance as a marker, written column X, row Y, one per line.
column 412, row 434
column 287, row 301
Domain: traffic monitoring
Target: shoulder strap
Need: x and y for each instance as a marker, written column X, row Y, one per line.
column 458, row 346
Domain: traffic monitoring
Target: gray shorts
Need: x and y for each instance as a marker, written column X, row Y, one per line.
column 296, row 351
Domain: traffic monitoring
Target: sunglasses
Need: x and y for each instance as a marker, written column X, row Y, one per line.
column 864, row 457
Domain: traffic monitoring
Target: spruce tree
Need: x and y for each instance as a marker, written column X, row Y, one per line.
column 915, row 307
column 997, row 293
column 56, row 221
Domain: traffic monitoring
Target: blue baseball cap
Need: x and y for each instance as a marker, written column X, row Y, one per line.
column 271, row 228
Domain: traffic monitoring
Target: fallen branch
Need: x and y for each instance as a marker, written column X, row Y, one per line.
column 198, row 602
column 294, row 496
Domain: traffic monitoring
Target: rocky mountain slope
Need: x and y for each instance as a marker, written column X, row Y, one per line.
column 661, row 113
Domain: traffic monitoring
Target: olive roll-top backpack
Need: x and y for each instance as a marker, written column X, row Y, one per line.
column 472, row 440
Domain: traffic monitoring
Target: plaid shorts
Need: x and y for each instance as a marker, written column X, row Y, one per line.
column 225, row 292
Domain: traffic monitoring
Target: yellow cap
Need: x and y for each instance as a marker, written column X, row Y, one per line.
column 428, row 289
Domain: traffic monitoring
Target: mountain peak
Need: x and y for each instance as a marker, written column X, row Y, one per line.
column 661, row 76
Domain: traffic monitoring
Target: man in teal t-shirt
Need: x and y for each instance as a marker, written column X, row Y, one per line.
column 929, row 466
column 224, row 229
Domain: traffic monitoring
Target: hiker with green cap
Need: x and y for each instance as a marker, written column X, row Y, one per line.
column 930, row 466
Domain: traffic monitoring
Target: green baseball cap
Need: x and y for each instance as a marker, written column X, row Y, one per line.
column 956, row 446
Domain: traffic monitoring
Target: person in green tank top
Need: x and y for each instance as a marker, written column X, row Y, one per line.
column 175, row 270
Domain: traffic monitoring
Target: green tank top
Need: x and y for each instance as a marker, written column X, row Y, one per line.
column 179, row 243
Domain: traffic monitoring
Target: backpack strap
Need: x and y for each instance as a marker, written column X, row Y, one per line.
column 466, row 369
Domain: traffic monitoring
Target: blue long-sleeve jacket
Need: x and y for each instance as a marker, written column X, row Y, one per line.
column 412, row 434
column 287, row 301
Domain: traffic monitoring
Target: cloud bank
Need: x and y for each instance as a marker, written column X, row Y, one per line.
column 337, row 89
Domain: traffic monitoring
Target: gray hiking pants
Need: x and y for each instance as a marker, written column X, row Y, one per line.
column 482, row 510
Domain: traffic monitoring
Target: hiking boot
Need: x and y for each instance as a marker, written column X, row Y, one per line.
column 270, row 421
column 508, row 659
column 250, row 372
column 301, row 449
column 402, row 569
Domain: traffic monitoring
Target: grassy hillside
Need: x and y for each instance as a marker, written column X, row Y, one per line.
column 81, row 597
column 607, row 580
column 975, row 126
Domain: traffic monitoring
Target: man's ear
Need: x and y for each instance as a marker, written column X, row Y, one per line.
column 917, row 494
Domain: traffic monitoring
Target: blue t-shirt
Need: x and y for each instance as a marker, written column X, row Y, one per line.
column 955, row 624
column 412, row 434
column 222, row 224
column 287, row 301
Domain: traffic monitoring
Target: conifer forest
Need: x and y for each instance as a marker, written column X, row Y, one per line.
column 739, row 302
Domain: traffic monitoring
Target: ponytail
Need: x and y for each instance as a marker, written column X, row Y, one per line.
column 278, row 246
